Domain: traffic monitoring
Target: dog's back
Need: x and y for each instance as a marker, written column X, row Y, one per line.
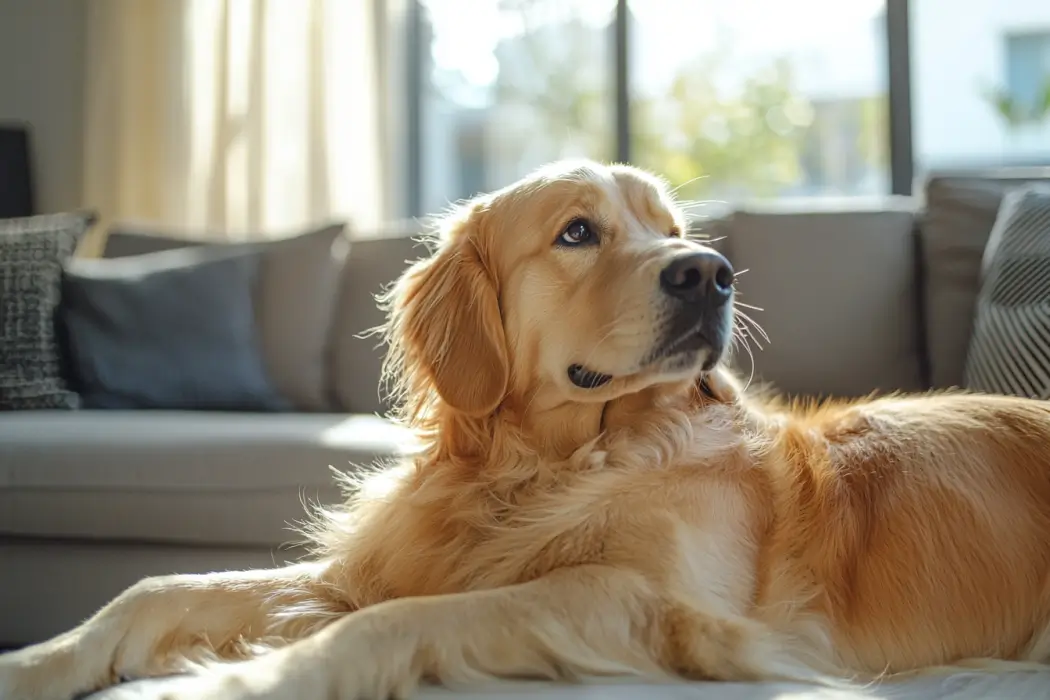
column 922, row 525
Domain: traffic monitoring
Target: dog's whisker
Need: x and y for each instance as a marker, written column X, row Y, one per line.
column 744, row 318
column 751, row 356
column 692, row 203
column 746, row 323
column 748, row 335
column 702, row 236
column 674, row 190
column 751, row 371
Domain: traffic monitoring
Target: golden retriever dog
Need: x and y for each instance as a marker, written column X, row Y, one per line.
column 596, row 494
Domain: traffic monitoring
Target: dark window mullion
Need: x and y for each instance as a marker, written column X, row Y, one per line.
column 898, row 43
column 415, row 84
column 621, row 83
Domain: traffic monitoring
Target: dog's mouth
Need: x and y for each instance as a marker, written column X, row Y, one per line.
column 587, row 379
column 677, row 356
column 691, row 339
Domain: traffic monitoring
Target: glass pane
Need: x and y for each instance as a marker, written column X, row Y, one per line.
column 761, row 98
column 980, row 83
column 511, row 85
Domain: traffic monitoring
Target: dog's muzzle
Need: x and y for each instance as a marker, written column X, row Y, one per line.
column 699, row 287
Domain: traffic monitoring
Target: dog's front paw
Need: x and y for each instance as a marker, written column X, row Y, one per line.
column 353, row 660
column 210, row 685
column 239, row 681
column 357, row 658
column 43, row 672
column 267, row 677
column 11, row 676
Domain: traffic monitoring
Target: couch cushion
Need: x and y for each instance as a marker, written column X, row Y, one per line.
column 32, row 252
column 959, row 212
column 188, row 477
column 295, row 298
column 838, row 292
column 174, row 329
column 1009, row 352
column 356, row 361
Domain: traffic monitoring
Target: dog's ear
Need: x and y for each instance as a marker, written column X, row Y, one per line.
column 449, row 324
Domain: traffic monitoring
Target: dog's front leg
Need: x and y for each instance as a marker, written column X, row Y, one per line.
column 581, row 621
column 166, row 624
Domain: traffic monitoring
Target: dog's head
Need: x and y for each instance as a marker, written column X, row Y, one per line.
column 573, row 285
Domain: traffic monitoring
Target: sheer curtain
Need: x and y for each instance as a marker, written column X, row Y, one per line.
column 234, row 117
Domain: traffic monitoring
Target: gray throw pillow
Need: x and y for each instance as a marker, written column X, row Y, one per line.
column 295, row 298
column 170, row 330
column 32, row 251
column 1009, row 351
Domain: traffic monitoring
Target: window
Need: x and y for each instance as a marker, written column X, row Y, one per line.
column 729, row 100
column 979, row 70
column 510, row 85
column 723, row 105
column 1027, row 94
column 756, row 99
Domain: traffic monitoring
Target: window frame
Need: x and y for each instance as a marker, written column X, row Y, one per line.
column 898, row 42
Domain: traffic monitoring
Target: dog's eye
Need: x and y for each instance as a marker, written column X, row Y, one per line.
column 578, row 232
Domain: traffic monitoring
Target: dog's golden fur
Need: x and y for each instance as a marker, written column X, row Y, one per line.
column 647, row 526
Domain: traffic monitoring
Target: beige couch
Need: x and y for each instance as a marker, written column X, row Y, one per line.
column 858, row 296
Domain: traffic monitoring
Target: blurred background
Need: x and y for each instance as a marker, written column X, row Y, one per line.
column 261, row 114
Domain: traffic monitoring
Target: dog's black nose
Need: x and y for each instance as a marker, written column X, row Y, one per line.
column 696, row 276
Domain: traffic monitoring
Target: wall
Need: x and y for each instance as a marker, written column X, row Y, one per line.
column 42, row 83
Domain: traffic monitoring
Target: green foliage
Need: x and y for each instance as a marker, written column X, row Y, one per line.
column 712, row 140
column 872, row 138
column 1015, row 112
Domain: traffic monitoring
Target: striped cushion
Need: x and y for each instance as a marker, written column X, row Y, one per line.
column 1009, row 350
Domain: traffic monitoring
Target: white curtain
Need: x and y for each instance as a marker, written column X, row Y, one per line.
column 234, row 117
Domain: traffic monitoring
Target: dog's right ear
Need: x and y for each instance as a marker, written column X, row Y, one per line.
column 446, row 324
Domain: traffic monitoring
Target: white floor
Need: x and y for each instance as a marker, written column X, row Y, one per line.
column 965, row 686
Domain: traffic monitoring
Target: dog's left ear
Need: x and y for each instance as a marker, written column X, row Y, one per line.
column 450, row 324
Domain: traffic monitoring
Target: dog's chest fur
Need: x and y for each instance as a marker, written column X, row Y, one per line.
column 668, row 499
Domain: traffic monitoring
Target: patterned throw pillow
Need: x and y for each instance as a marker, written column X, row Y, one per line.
column 32, row 252
column 1009, row 350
